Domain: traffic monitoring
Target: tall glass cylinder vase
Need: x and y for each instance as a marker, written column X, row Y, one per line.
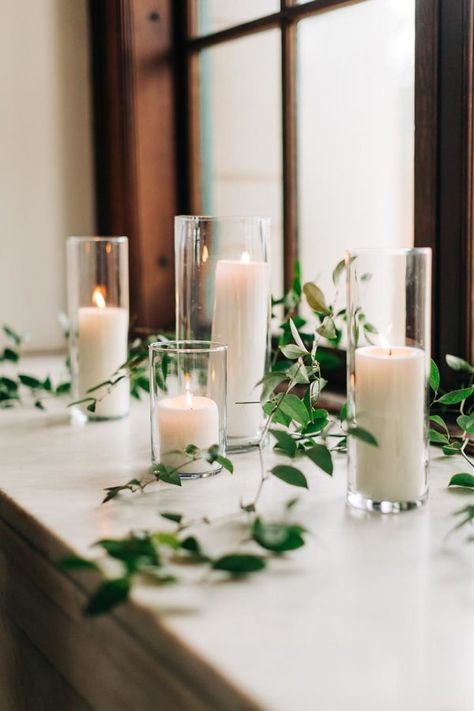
column 223, row 295
column 99, row 318
column 188, row 405
column 389, row 311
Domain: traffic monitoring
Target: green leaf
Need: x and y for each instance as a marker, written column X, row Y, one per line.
column 107, row 596
column 177, row 518
column 80, row 402
column 452, row 449
column 369, row 328
column 434, row 376
column 277, row 537
column 8, row 384
column 291, row 503
column 292, row 352
column 134, row 551
column 170, row 478
column 296, row 284
column 278, row 417
column 293, row 407
column 39, row 405
column 343, row 413
column 464, row 480
column 327, row 329
column 321, row 456
column 192, row 546
column 466, row 423
column 459, row 364
column 315, row 298
column 213, row 455
column 63, row 388
column 363, row 435
column 290, row 475
column 440, row 422
column 164, row 538
column 75, row 562
column 92, row 405
column 297, row 338
column 239, row 563
column 12, row 335
column 285, row 442
column 11, row 355
column 437, row 437
column 317, row 425
column 339, row 268
column 47, row 384
column 269, row 382
column 29, row 381
column 456, row 396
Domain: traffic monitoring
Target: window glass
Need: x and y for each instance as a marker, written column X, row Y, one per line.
column 216, row 15
column 241, row 143
column 355, row 132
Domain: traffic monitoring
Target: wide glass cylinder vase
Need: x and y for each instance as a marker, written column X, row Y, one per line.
column 97, row 273
column 388, row 318
column 223, row 295
column 188, row 406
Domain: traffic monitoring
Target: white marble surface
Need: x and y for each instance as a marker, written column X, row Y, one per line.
column 375, row 612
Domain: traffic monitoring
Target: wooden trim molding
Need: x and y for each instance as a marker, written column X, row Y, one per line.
column 134, row 109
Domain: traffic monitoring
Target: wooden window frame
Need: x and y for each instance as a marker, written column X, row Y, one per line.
column 147, row 143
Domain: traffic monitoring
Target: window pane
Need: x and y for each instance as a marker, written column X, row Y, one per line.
column 355, row 131
column 215, row 15
column 241, row 145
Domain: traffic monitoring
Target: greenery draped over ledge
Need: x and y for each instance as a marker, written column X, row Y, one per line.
column 301, row 430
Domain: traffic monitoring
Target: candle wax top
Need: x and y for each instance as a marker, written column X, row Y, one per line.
column 180, row 402
column 387, row 352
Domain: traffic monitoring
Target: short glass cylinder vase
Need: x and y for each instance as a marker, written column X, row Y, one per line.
column 223, row 294
column 187, row 405
column 388, row 316
column 97, row 274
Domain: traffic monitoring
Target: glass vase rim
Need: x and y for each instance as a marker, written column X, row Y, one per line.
column 222, row 218
column 394, row 251
column 190, row 346
column 117, row 239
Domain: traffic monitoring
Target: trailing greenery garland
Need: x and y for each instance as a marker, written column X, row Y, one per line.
column 301, row 430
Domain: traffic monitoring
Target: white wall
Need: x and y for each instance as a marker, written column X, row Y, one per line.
column 46, row 170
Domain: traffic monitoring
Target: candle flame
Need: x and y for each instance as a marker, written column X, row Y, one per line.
column 189, row 395
column 205, row 254
column 98, row 297
column 385, row 343
column 245, row 258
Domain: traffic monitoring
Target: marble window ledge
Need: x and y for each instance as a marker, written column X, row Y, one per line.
column 375, row 612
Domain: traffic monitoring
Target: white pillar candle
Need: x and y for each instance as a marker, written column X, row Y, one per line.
column 182, row 420
column 240, row 321
column 102, row 344
column 390, row 404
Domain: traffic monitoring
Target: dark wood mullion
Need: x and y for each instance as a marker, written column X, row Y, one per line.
column 114, row 132
column 289, row 153
column 469, row 130
column 454, row 179
column 268, row 22
column 426, row 114
column 134, row 143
